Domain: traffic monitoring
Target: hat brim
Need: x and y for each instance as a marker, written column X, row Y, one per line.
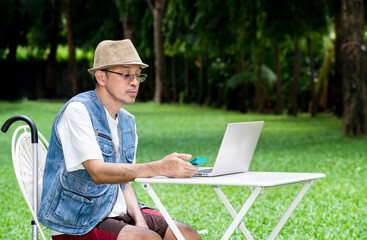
column 93, row 70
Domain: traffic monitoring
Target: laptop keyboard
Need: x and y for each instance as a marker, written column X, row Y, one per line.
column 205, row 170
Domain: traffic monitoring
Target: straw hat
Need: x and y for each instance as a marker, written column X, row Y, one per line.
column 113, row 53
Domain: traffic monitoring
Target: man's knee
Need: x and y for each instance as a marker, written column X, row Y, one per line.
column 137, row 233
column 187, row 231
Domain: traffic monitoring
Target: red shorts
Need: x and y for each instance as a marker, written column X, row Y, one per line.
column 109, row 228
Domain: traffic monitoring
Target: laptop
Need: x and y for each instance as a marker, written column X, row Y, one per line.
column 236, row 150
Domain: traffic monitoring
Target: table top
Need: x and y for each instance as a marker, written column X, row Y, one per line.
column 253, row 179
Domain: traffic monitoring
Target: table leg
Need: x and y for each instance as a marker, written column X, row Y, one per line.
column 242, row 213
column 231, row 211
column 163, row 210
column 289, row 211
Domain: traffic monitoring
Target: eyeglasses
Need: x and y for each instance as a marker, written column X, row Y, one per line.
column 129, row 76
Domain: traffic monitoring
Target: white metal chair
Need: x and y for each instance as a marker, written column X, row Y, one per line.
column 23, row 167
column 29, row 156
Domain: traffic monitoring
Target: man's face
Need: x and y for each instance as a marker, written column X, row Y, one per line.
column 122, row 84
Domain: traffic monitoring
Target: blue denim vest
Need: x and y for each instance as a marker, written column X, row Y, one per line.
column 71, row 202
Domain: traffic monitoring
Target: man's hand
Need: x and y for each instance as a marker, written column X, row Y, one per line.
column 142, row 224
column 132, row 206
column 175, row 165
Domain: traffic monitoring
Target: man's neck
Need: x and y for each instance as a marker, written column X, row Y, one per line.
column 112, row 106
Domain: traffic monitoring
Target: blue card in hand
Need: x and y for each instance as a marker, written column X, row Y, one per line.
column 198, row 161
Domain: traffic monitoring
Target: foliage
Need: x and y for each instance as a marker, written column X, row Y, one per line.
column 211, row 42
column 90, row 26
column 14, row 27
column 268, row 77
column 239, row 78
column 333, row 208
column 176, row 26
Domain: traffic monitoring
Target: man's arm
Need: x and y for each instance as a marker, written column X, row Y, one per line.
column 133, row 207
column 173, row 165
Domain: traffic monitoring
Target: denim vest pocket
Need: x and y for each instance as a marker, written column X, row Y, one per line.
column 81, row 196
column 106, row 145
column 129, row 137
column 130, row 153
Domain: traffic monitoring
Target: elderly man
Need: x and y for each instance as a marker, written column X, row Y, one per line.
column 91, row 159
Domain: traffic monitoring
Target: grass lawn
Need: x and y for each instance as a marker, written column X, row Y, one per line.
column 333, row 208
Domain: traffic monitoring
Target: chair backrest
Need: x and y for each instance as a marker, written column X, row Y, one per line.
column 23, row 165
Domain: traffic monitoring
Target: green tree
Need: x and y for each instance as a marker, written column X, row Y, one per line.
column 336, row 92
column 176, row 24
column 276, row 30
column 248, row 39
column 354, row 59
column 125, row 9
column 314, row 14
column 44, row 34
column 14, row 27
column 213, row 41
column 296, row 32
column 67, row 6
column 160, row 62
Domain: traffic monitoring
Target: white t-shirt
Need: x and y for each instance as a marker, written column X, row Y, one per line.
column 79, row 144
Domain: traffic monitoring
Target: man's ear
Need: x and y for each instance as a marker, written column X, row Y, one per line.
column 100, row 77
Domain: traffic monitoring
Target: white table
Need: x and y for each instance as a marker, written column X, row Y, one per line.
column 258, row 181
